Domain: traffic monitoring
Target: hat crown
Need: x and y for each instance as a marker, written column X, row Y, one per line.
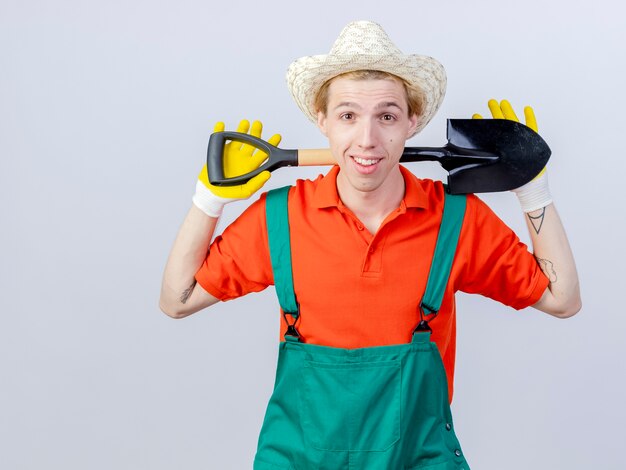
column 364, row 38
column 364, row 45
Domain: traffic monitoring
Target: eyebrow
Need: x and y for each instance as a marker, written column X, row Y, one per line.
column 389, row 104
column 347, row 104
column 385, row 104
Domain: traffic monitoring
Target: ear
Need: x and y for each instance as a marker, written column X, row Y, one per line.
column 413, row 122
column 321, row 122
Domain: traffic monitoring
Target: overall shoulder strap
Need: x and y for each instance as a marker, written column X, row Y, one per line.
column 277, row 218
column 445, row 249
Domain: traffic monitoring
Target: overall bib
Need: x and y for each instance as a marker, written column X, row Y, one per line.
column 374, row 408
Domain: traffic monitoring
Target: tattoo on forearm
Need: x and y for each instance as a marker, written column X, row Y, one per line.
column 537, row 220
column 185, row 297
column 548, row 269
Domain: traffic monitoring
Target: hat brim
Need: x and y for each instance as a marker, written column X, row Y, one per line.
column 306, row 75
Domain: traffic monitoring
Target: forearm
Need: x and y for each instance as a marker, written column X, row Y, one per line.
column 551, row 247
column 180, row 295
column 554, row 255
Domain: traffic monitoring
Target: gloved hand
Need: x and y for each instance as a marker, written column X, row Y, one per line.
column 536, row 193
column 239, row 159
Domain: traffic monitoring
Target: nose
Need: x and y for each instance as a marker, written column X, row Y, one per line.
column 367, row 134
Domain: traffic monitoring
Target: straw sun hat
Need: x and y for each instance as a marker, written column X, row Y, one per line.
column 364, row 45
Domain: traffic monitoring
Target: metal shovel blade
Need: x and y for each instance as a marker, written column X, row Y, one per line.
column 522, row 154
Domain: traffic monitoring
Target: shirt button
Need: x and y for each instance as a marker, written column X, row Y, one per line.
column 448, row 426
column 457, row 453
column 360, row 227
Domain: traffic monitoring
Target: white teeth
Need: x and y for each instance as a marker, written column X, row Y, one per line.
column 365, row 162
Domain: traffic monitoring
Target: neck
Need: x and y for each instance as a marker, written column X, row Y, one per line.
column 372, row 207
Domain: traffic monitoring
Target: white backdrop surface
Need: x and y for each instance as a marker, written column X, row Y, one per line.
column 105, row 112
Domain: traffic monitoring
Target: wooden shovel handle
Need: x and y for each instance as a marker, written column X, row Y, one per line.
column 314, row 157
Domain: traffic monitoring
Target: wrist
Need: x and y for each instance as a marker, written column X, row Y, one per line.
column 207, row 202
column 535, row 194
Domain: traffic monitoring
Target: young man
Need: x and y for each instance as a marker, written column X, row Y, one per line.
column 360, row 257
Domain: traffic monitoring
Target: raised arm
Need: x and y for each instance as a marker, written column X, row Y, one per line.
column 549, row 240
column 180, row 294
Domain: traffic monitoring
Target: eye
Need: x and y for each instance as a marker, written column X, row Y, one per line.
column 388, row 117
column 347, row 116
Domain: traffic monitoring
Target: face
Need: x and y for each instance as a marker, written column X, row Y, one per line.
column 367, row 125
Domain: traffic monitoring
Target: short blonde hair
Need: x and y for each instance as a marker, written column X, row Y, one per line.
column 414, row 95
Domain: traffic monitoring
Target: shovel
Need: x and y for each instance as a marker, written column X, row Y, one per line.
column 481, row 156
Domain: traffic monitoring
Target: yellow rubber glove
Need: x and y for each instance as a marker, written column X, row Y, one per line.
column 535, row 194
column 504, row 110
column 239, row 159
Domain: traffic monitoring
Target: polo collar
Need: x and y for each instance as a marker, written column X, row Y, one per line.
column 326, row 194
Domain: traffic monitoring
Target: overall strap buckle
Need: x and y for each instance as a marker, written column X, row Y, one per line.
column 292, row 333
column 423, row 326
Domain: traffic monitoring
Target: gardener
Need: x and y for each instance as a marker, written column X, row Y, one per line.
column 366, row 263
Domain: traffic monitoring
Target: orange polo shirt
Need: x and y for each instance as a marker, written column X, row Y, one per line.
column 358, row 289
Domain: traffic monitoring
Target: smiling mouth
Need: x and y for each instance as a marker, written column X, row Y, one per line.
column 366, row 161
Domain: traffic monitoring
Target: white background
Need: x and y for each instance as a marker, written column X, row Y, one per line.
column 105, row 112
